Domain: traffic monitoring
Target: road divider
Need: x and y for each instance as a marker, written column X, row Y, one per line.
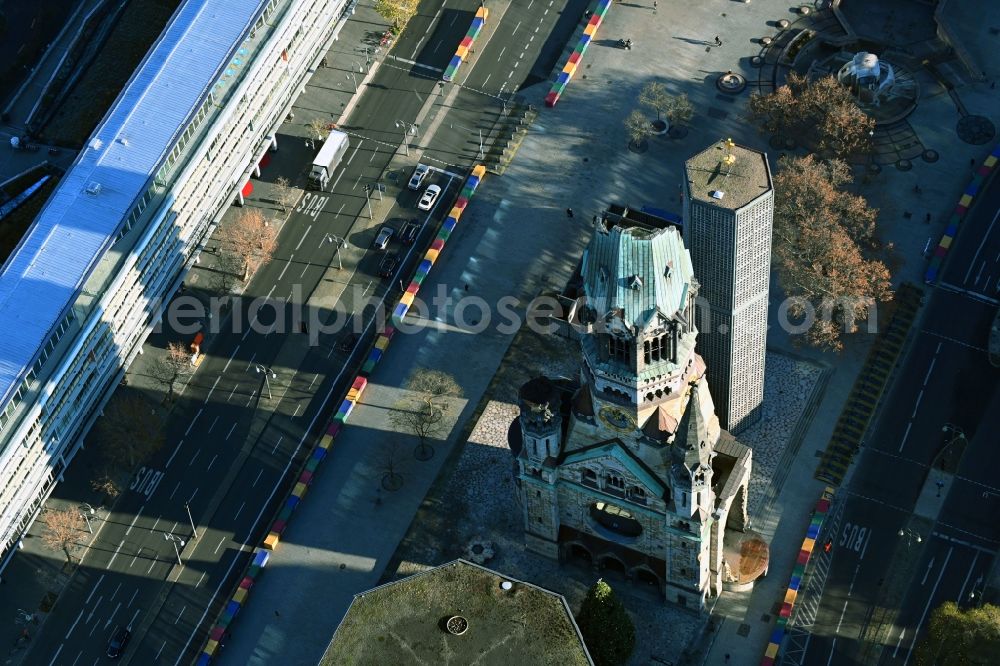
column 964, row 203
column 798, row 572
column 576, row 57
column 339, row 420
column 465, row 46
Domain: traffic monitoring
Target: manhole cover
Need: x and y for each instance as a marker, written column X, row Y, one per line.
column 975, row 130
column 930, row 155
column 904, row 165
column 744, row 630
column 756, row 61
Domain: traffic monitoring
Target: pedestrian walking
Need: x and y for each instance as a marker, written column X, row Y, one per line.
column 927, row 220
column 654, row 5
column 569, row 213
column 727, row 657
column 277, row 614
column 467, row 287
column 718, row 42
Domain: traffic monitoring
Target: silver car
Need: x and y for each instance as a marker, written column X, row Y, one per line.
column 383, row 238
column 430, row 196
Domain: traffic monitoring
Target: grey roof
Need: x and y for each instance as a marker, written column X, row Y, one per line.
column 747, row 178
column 40, row 281
column 639, row 270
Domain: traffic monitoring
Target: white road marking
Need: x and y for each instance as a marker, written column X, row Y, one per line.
column 250, row 399
column 258, row 477
column 231, row 357
column 901, row 634
column 930, row 565
column 152, row 563
column 288, row 262
column 94, row 589
column 112, row 616
column 176, row 488
column 194, row 457
column 315, row 377
column 250, row 363
column 930, row 598
column 980, row 249
column 189, row 501
column 117, row 550
column 221, row 541
column 961, row 593
column 157, row 657
column 928, row 375
column 115, row 593
column 203, row 574
column 237, row 514
column 301, row 240
column 212, row 462
column 133, row 598
column 132, row 524
column 212, row 389
column 180, row 614
column 228, row 434
column 232, row 392
column 277, row 444
column 296, row 412
column 920, row 396
column 56, row 655
column 905, row 435
column 849, row 591
column 188, row 431
column 515, row 28
column 75, row 622
column 151, row 529
column 500, row 57
column 90, row 615
column 213, row 424
column 305, row 267
column 130, row 622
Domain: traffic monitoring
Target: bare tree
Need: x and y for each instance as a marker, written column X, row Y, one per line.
column 423, row 412
column 388, row 463
column 106, row 484
column 639, row 128
column 284, row 194
column 131, row 430
column 825, row 250
column 654, row 95
column 251, row 237
column 227, row 271
column 168, row 369
column 679, row 109
column 318, row 128
column 62, row 528
column 398, row 12
column 821, row 113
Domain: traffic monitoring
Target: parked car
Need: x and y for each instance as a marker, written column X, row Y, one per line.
column 408, row 234
column 118, row 641
column 388, row 265
column 419, row 174
column 383, row 238
column 430, row 196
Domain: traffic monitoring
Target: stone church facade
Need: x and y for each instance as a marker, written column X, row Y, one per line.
column 628, row 468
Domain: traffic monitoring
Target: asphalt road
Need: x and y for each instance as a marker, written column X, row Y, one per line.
column 243, row 417
column 945, row 380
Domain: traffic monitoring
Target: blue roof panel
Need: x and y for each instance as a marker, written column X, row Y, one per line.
column 41, row 279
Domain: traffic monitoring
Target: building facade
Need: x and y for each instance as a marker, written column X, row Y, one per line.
column 728, row 216
column 629, row 468
column 87, row 283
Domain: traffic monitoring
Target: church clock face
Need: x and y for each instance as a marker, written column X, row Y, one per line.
column 617, row 419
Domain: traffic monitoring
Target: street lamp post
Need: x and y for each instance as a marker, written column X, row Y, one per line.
column 408, row 128
column 87, row 512
column 267, row 371
column 361, row 70
column 482, row 152
column 909, row 535
column 368, row 200
column 350, row 77
column 194, row 530
column 340, row 243
column 175, row 540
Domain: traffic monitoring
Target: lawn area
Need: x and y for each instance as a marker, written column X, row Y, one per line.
column 137, row 28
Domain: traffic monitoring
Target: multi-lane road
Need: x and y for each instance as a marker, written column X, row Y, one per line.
column 244, row 417
column 892, row 563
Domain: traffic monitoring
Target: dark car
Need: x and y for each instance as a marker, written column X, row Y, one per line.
column 408, row 234
column 118, row 641
column 388, row 265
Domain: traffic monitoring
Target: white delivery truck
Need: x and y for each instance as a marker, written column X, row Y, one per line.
column 327, row 159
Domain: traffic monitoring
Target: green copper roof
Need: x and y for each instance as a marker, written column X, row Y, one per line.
column 637, row 270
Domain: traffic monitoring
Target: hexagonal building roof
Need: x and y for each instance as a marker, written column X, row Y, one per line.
column 739, row 173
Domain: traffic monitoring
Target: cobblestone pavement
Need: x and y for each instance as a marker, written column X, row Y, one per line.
column 483, row 508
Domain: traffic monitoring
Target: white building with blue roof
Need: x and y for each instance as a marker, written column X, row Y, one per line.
column 86, row 285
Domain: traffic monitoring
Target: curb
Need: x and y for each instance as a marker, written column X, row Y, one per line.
column 982, row 174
